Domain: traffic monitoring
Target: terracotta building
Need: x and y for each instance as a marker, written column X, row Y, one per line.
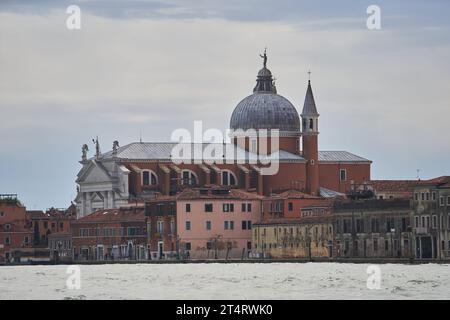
column 52, row 220
column 111, row 234
column 15, row 232
column 162, row 239
column 138, row 171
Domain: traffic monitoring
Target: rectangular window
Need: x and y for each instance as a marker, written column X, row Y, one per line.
column 231, row 207
column 231, row 225
column 416, row 196
column 253, row 145
column 427, row 196
column 226, row 207
column 188, row 207
column 417, row 221
column 405, row 222
column 448, row 201
column 132, row 231
column 428, row 221
column 359, row 226
column 208, row 245
column 434, row 222
column 343, row 174
column 160, row 227
column 243, row 207
column 375, row 225
column 208, row 225
column 390, row 224
column 347, row 226
column 422, row 196
column 433, row 196
column 84, row 232
column 187, row 246
column 249, row 245
column 246, row 225
column 7, row 241
column 188, row 225
column 249, row 207
column 375, row 245
column 226, row 225
column 290, row 206
column 441, row 201
column 208, row 207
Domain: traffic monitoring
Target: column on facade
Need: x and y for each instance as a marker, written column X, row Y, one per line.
column 207, row 174
column 246, row 182
column 218, row 173
column 178, row 172
column 165, row 187
column 260, row 187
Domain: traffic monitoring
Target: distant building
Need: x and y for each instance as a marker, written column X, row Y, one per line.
column 162, row 239
column 139, row 170
column 216, row 222
column 53, row 220
column 15, row 232
column 431, row 204
column 308, row 236
column 111, row 234
column 373, row 228
column 60, row 246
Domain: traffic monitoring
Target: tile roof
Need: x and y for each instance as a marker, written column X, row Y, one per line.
column 393, row 185
column 163, row 151
column 110, row 215
column 328, row 193
column 340, row 156
column 295, row 194
column 192, row 194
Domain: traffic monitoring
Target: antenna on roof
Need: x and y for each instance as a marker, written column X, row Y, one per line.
column 418, row 174
column 140, row 136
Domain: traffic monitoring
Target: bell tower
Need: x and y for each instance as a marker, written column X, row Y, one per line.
column 310, row 133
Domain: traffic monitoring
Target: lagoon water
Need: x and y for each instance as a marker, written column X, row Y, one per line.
column 227, row 281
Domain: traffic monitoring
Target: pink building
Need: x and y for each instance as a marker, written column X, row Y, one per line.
column 216, row 222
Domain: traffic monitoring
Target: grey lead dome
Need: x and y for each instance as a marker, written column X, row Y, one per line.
column 265, row 109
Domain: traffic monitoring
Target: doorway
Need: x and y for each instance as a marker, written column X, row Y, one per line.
column 160, row 249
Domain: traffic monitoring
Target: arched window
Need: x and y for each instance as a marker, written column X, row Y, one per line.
column 149, row 178
column 228, row 178
column 311, row 124
column 189, row 178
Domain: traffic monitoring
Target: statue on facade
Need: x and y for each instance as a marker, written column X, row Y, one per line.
column 115, row 146
column 97, row 147
column 84, row 150
column 264, row 56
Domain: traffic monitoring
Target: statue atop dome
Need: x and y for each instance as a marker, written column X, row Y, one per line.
column 264, row 56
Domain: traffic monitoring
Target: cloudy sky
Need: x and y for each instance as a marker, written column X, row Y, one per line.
column 154, row 66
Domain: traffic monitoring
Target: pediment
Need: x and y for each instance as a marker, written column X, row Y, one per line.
column 94, row 173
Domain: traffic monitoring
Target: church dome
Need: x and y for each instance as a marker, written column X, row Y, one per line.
column 265, row 109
